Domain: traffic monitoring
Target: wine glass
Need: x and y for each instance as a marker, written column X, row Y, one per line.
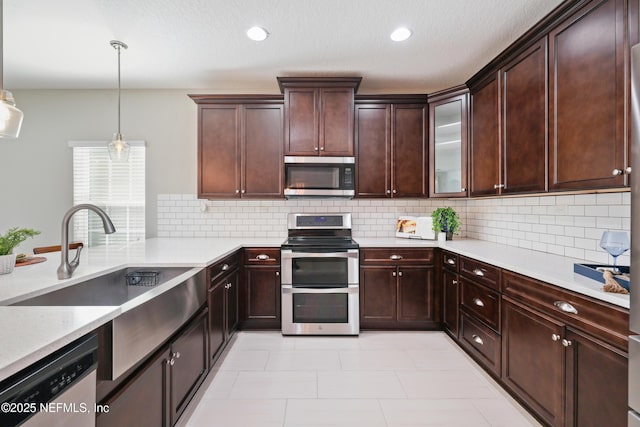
column 616, row 243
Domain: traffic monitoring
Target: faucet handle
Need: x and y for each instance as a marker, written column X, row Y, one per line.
column 76, row 260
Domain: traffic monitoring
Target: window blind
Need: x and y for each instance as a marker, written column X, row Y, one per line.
column 116, row 187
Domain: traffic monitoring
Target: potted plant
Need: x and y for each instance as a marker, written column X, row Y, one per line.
column 446, row 220
column 12, row 238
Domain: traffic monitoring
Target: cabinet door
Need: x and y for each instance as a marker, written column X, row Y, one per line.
column 219, row 151
column 301, row 122
column 450, row 292
column 448, row 147
column 232, row 303
column 217, row 319
column 261, row 290
column 524, row 122
column 587, row 98
column 336, row 122
column 415, row 294
column 533, row 360
column 373, row 150
column 485, row 154
column 141, row 402
column 409, row 158
column 189, row 364
column 378, row 302
column 597, row 384
column 262, row 159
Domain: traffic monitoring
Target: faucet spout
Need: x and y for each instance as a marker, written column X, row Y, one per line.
column 65, row 271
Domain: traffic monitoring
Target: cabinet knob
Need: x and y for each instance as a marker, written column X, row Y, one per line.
column 555, row 337
column 400, row 273
column 242, row 191
column 393, row 274
column 627, row 170
column 237, row 191
column 262, row 257
column 463, row 189
column 565, row 307
column 454, row 282
column 172, row 361
column 616, row 172
column 477, row 339
column 175, row 355
column 321, row 148
column 394, row 191
column 315, row 148
column 388, row 191
column 478, row 302
column 395, row 257
column 277, row 273
column 496, row 186
column 478, row 272
column 566, row 342
column 227, row 286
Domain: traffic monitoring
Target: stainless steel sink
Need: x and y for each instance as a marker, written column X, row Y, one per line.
column 150, row 314
column 110, row 289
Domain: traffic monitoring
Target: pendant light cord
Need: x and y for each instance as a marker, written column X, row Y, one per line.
column 118, row 48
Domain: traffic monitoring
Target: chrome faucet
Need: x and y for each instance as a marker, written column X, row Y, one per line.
column 65, row 271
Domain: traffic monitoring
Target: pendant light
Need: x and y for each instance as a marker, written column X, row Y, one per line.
column 10, row 116
column 118, row 147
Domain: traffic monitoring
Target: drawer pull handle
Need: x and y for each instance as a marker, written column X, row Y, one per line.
column 478, row 272
column 477, row 339
column 395, row 257
column 565, row 307
column 225, row 267
column 478, row 302
column 450, row 261
column 262, row 257
column 555, row 337
column 566, row 342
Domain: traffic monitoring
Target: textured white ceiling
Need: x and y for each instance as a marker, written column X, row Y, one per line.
column 201, row 44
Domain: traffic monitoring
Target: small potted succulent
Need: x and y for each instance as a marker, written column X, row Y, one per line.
column 12, row 238
column 447, row 221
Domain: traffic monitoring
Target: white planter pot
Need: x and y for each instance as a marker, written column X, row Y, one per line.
column 442, row 236
column 7, row 263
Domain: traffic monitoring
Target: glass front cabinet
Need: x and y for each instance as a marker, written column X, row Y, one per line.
column 448, row 143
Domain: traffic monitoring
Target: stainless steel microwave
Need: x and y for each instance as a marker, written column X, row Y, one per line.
column 319, row 176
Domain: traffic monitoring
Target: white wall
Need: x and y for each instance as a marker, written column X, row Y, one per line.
column 36, row 169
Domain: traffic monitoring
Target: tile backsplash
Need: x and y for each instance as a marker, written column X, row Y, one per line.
column 569, row 225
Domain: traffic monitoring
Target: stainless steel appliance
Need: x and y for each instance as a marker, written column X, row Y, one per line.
column 634, row 321
column 58, row 391
column 319, row 176
column 320, row 270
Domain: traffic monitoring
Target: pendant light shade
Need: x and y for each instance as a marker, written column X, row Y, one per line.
column 10, row 116
column 118, row 147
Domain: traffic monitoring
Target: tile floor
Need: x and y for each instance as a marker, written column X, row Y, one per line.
column 377, row 379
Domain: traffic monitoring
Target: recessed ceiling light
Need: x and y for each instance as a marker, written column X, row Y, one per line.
column 257, row 34
column 400, row 34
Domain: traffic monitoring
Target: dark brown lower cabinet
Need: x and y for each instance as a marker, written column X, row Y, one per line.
column 261, row 298
column 396, row 297
column 159, row 391
column 222, row 300
column 142, row 401
column 450, row 302
column 568, row 377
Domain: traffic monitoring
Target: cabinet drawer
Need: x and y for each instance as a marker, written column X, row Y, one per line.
column 262, row 256
column 481, row 302
column 481, row 342
column 450, row 261
column 483, row 273
column 606, row 321
column 396, row 256
column 223, row 266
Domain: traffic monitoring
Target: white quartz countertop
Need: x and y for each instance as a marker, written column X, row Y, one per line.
column 31, row 333
column 553, row 269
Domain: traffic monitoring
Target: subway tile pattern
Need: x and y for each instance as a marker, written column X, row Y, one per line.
column 569, row 225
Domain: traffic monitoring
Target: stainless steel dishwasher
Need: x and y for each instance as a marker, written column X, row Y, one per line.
column 59, row 390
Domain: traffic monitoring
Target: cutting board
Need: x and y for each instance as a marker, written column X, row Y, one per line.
column 31, row 260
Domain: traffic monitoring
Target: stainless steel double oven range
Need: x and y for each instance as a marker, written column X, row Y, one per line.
column 320, row 287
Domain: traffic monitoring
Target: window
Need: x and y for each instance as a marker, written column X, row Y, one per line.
column 116, row 187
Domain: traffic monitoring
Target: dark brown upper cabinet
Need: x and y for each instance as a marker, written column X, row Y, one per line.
column 318, row 115
column 391, row 146
column 448, row 114
column 588, row 72
column 240, row 146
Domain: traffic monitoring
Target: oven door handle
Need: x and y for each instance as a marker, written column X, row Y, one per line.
column 351, row 289
column 289, row 254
